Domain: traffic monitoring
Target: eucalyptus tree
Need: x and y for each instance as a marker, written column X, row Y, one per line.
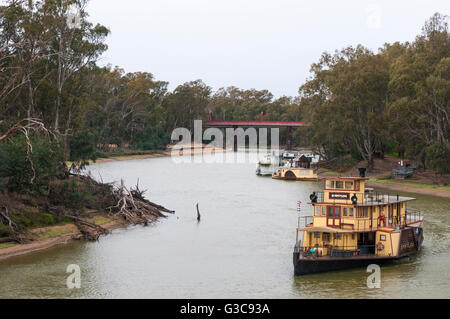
column 348, row 94
column 420, row 93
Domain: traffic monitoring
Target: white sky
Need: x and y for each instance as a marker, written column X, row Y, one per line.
column 258, row 44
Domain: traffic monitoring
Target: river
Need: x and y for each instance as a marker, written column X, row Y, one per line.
column 242, row 248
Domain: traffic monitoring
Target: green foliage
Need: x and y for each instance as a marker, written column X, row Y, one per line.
column 32, row 219
column 438, row 158
column 70, row 194
column 77, row 194
column 83, row 148
column 151, row 139
column 30, row 171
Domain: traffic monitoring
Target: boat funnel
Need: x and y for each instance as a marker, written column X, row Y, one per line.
column 362, row 172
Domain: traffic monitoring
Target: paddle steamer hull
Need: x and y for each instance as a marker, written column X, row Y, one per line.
column 307, row 266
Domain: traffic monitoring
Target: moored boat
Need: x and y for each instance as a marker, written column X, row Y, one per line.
column 298, row 169
column 352, row 226
column 266, row 166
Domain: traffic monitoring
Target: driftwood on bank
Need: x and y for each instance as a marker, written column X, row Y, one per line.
column 16, row 235
column 90, row 231
column 131, row 205
column 134, row 208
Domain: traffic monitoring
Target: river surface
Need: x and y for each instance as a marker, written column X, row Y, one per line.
column 242, row 248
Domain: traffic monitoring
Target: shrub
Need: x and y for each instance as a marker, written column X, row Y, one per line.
column 16, row 170
column 82, row 148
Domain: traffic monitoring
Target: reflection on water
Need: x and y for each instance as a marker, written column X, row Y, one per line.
column 241, row 249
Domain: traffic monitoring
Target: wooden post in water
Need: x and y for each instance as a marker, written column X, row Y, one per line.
column 199, row 217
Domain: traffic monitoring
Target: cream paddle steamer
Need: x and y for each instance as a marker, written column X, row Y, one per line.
column 298, row 169
column 352, row 226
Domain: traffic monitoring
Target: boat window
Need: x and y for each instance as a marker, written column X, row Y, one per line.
column 362, row 212
column 316, row 235
column 339, row 185
column 330, row 211
column 337, row 213
column 326, row 237
column 351, row 212
column 323, row 210
column 349, row 185
column 345, row 211
column 357, row 185
column 330, row 184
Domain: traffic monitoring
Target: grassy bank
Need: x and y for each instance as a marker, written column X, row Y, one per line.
column 406, row 183
column 423, row 182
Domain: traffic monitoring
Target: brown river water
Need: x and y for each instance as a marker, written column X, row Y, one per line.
column 242, row 248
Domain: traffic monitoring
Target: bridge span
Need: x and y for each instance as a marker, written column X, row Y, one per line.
column 258, row 124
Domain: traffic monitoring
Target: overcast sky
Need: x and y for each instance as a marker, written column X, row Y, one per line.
column 258, row 44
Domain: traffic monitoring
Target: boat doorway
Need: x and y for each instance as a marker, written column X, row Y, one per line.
column 366, row 243
column 334, row 217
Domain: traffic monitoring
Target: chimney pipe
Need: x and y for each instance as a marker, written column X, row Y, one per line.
column 362, row 172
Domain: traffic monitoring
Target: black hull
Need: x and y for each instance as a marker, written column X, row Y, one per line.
column 316, row 266
column 306, row 266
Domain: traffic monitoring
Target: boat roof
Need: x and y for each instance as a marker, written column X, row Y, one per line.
column 386, row 200
column 344, row 178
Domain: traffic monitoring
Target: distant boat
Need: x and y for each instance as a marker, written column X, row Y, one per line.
column 289, row 155
column 298, row 169
column 266, row 166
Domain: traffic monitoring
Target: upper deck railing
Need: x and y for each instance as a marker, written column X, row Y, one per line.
column 367, row 224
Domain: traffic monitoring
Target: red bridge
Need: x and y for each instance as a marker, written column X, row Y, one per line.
column 260, row 124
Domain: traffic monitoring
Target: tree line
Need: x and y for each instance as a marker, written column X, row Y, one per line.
column 361, row 104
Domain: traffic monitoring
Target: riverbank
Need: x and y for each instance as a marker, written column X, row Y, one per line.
column 424, row 189
column 131, row 155
column 74, row 208
column 58, row 235
column 423, row 182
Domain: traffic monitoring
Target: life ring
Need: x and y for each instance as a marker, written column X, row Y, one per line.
column 380, row 246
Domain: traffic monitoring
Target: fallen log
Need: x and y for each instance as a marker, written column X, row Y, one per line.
column 90, row 231
column 17, row 235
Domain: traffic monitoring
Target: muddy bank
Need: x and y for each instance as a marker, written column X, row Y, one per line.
column 444, row 193
column 49, row 237
column 196, row 150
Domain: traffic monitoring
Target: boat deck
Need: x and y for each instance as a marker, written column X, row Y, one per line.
column 360, row 257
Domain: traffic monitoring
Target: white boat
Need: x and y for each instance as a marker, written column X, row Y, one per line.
column 266, row 166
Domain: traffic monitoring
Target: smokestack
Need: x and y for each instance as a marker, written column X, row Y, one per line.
column 362, row 172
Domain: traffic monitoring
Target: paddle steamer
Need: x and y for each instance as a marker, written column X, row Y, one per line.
column 352, row 226
column 298, row 169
